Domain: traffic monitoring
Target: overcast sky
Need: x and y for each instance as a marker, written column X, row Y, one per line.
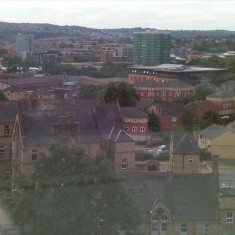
column 172, row 15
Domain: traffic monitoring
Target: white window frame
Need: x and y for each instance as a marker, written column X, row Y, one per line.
column 34, row 154
column 229, row 217
column 124, row 164
column 183, row 228
column 134, row 129
column 206, row 229
column 142, row 129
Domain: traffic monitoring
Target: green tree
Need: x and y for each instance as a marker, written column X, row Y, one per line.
column 90, row 91
column 154, row 122
column 202, row 90
column 2, row 96
column 122, row 92
column 188, row 120
column 75, row 194
column 210, row 118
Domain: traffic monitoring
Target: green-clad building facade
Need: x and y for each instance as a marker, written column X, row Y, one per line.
column 151, row 48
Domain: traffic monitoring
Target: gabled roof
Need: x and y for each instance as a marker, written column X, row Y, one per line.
column 213, row 131
column 170, row 109
column 120, row 136
column 133, row 113
column 189, row 197
column 184, row 143
column 202, row 106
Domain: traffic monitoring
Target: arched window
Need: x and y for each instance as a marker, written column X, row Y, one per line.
column 154, row 218
column 164, row 219
column 124, row 164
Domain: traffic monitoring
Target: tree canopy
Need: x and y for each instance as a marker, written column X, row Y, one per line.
column 2, row 96
column 90, row 91
column 209, row 118
column 122, row 92
column 75, row 194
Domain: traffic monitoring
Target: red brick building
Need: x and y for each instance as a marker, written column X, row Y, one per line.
column 169, row 114
column 170, row 91
column 134, row 78
column 136, row 123
column 198, row 108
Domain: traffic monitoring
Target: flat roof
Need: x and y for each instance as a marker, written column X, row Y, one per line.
column 178, row 68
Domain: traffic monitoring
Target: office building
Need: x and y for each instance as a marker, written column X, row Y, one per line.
column 24, row 45
column 151, row 48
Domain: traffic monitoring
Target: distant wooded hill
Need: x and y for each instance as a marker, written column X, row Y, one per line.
column 8, row 32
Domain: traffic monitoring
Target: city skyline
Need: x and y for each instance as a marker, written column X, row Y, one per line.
column 171, row 15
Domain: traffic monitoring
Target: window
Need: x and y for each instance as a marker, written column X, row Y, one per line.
column 174, row 119
column 10, row 151
column 163, row 227
column 2, row 151
column 190, row 160
column 34, row 154
column 6, row 130
column 206, row 229
column 7, row 175
column 183, row 229
column 154, row 218
column 164, row 219
column 124, row 164
column 134, row 120
column 134, row 129
column 229, row 217
column 100, row 221
column 127, row 128
column 142, row 129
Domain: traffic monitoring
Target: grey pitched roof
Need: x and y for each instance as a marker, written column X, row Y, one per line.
column 120, row 136
column 133, row 113
column 107, row 117
column 213, row 131
column 201, row 106
column 8, row 110
column 171, row 109
column 222, row 94
column 37, row 126
column 184, row 143
column 189, row 197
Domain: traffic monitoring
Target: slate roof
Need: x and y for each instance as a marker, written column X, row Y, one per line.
column 8, row 110
column 189, row 197
column 36, row 126
column 184, row 143
column 201, row 106
column 222, row 94
column 120, row 136
column 133, row 113
column 107, row 117
column 213, row 131
column 171, row 109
